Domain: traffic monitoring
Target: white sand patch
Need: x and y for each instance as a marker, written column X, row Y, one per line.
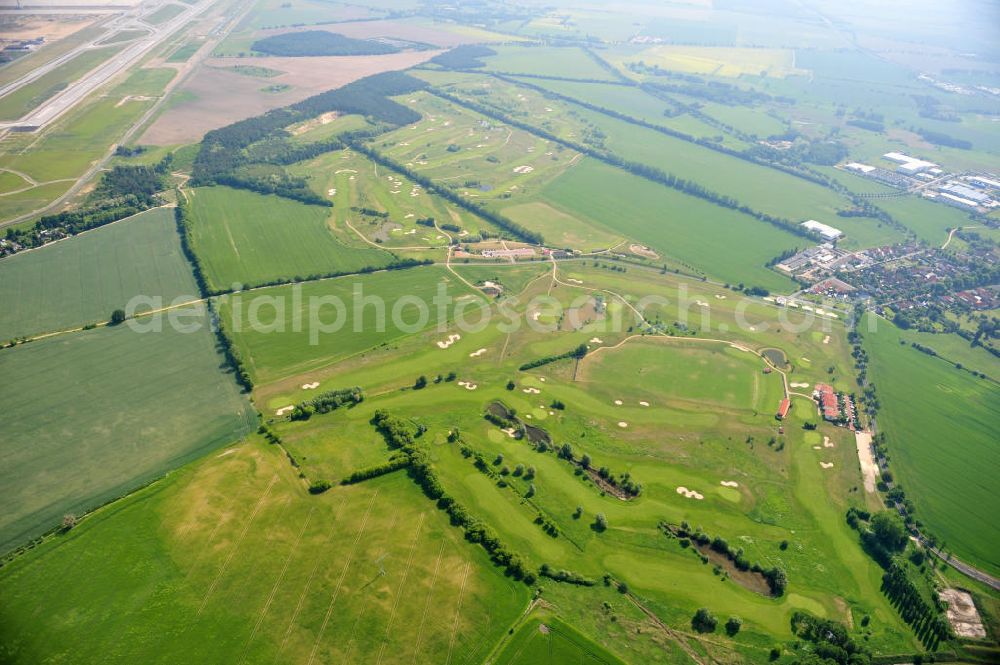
column 448, row 342
column 410, row 215
column 535, row 315
column 477, row 353
column 826, row 465
column 618, row 402
column 827, row 443
column 509, row 432
column 720, row 296
column 574, row 280
column 344, row 171
column 523, row 169
column 332, row 191
column 529, row 416
column 826, row 340
column 729, row 483
column 542, row 379
column 531, row 391
column 596, row 340
column 622, row 424
column 226, row 452
column 701, row 303
column 806, row 359
column 643, row 403
column 283, row 410
column 411, row 232
column 869, row 469
column 817, row 447
column 468, row 385
column 352, row 177
column 753, row 329
column 310, row 386
column 799, row 385
column 690, row 494
column 552, row 413
column 807, row 308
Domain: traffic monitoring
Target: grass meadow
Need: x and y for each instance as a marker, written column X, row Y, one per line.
column 81, row 280
column 249, row 238
column 723, row 243
column 569, row 62
column 92, row 415
column 236, row 562
column 940, row 423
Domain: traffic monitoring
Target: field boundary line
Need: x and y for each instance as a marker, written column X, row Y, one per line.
column 340, row 581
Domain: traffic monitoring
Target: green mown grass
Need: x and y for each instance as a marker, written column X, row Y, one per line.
column 83, row 279
column 248, row 238
column 274, row 355
column 570, row 62
column 92, row 415
column 550, row 640
column 231, row 560
column 725, row 244
column 941, row 425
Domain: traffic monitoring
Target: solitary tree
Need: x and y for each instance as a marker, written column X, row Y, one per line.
column 733, row 625
column 703, row 621
column 585, row 461
column 889, row 529
column 600, row 522
column 117, row 316
column 420, row 382
column 578, row 513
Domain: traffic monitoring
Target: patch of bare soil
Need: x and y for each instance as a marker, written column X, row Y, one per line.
column 218, row 97
column 52, row 27
column 962, row 614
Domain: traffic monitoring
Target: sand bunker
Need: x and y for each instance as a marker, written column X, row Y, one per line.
column 622, row 423
column 701, row 303
column 310, row 386
column 468, row 385
column 575, row 281
column 596, row 340
column 532, row 391
column 690, row 494
column 827, row 443
column 283, row 410
column 643, row 403
column 720, row 297
column 799, row 385
column 476, row 354
column 332, row 191
column 448, row 342
column 826, row 340
column 826, row 465
column 618, row 402
column 729, row 483
column 542, row 379
column 509, row 432
column 523, row 169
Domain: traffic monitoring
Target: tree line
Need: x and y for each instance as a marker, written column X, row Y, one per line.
column 327, row 402
column 578, row 353
column 645, row 171
column 400, row 434
column 510, row 226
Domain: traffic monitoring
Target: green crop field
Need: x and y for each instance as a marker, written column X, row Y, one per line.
column 285, row 351
column 236, row 542
column 941, row 429
column 83, row 279
column 248, row 238
column 569, row 62
column 520, row 384
column 726, row 244
column 152, row 402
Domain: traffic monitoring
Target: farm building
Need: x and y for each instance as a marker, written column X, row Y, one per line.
column 520, row 252
column 783, row 409
column 826, row 231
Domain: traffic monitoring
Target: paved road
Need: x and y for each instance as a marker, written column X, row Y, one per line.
column 77, row 91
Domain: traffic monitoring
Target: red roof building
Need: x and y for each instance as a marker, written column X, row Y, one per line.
column 783, row 409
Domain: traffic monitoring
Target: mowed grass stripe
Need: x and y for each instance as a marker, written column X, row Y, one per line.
column 251, row 239
column 81, row 280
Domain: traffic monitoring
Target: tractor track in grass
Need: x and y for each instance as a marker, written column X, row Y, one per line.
column 340, row 581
